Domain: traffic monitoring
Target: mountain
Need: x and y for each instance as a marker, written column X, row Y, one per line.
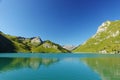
column 49, row 46
column 6, row 45
column 106, row 39
column 10, row 44
column 69, row 47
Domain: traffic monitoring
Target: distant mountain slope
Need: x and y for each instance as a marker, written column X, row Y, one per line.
column 49, row 46
column 10, row 43
column 106, row 39
column 69, row 47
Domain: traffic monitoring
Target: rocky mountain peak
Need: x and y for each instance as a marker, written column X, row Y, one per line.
column 36, row 41
column 103, row 27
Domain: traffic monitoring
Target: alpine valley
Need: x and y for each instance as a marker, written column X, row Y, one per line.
column 106, row 40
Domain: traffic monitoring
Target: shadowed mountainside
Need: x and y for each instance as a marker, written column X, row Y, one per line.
column 6, row 45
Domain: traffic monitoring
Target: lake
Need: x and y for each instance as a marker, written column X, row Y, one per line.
column 59, row 66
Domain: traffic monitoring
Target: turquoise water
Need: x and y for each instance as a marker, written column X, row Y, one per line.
column 59, row 67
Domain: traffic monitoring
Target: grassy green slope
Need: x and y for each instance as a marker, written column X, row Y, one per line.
column 107, row 41
column 10, row 43
column 6, row 45
column 48, row 47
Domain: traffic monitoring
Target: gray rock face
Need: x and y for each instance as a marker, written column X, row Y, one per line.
column 69, row 47
column 103, row 27
column 48, row 45
column 36, row 41
column 21, row 38
column 103, row 51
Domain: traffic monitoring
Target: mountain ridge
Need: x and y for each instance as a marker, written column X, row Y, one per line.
column 10, row 44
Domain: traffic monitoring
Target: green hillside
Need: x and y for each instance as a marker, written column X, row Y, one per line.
column 10, row 44
column 106, row 39
column 6, row 45
column 49, row 46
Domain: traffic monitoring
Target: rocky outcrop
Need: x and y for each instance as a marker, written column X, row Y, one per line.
column 103, row 27
column 36, row 41
column 69, row 47
column 48, row 45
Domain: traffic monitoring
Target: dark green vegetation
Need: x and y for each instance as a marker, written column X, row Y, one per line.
column 10, row 44
column 107, row 68
column 106, row 39
column 6, row 45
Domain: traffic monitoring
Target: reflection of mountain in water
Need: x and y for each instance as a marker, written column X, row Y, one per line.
column 108, row 68
column 17, row 63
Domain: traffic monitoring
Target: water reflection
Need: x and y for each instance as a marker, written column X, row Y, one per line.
column 17, row 63
column 96, row 68
column 108, row 68
column 45, row 69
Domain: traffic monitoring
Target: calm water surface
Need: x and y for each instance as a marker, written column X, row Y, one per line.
column 59, row 67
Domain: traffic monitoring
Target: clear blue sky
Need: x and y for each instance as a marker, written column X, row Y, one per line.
column 61, row 21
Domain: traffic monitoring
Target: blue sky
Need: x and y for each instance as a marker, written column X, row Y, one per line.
column 61, row 21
